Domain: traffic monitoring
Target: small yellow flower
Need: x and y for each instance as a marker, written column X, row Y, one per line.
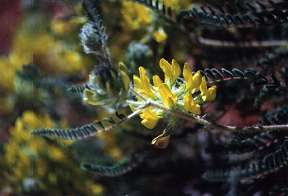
column 142, row 84
column 160, row 36
column 59, row 26
column 149, row 117
column 95, row 189
column 44, row 50
column 186, row 94
column 22, row 148
column 192, row 81
column 63, row 27
column 207, row 94
column 168, row 98
column 171, row 71
column 135, row 15
column 74, row 60
column 56, row 153
column 190, row 105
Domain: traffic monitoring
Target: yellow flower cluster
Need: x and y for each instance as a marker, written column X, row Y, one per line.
column 40, row 48
column 187, row 93
column 135, row 15
column 45, row 50
column 28, row 157
column 22, row 150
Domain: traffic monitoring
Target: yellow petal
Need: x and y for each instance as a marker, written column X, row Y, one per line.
column 157, row 80
column 160, row 36
column 145, row 83
column 150, row 118
column 168, row 98
column 190, row 105
column 187, row 101
column 142, row 73
column 203, row 88
column 211, row 95
column 150, row 124
column 196, row 81
column 176, row 69
column 137, row 82
column 170, row 102
column 195, row 108
column 167, row 69
column 187, row 74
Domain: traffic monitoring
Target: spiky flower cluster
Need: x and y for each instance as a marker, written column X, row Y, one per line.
column 185, row 93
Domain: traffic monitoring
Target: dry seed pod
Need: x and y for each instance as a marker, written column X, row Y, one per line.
column 161, row 141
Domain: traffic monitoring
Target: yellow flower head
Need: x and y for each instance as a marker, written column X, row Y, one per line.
column 22, row 148
column 44, row 47
column 135, row 15
column 25, row 156
column 187, row 93
column 160, row 36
